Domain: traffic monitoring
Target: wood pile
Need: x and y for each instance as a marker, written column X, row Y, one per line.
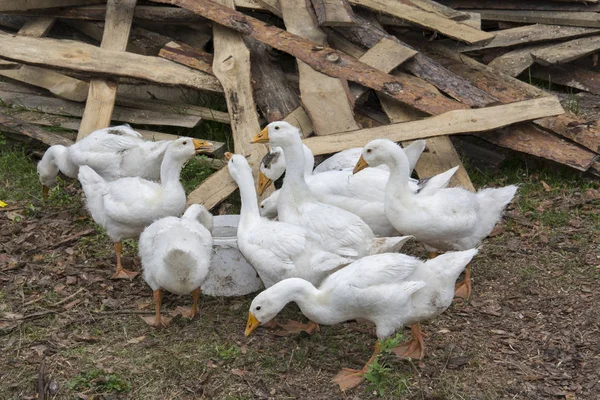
column 343, row 71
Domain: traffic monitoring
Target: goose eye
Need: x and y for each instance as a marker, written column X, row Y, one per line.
column 262, row 206
column 185, row 142
column 258, row 308
column 369, row 150
column 276, row 128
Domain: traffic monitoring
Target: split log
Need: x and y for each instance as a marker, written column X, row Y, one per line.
column 452, row 122
column 333, row 12
column 231, row 66
column 583, row 19
column 528, row 34
column 165, row 107
column 322, row 96
column 514, row 62
column 103, row 92
column 436, row 23
column 272, row 92
column 321, row 58
column 32, row 131
column 35, row 4
column 77, row 56
column 535, row 141
column 565, row 52
column 586, row 133
column 437, row 8
column 188, row 56
column 570, row 76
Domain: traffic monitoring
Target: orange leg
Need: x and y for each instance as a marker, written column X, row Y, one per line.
column 433, row 254
column 463, row 289
column 415, row 348
column 122, row 273
column 350, row 378
column 190, row 312
column 157, row 320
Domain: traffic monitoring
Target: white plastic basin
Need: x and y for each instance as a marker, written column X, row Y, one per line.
column 230, row 274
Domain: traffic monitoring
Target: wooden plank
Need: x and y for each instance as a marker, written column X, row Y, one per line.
column 13, row 21
column 168, row 107
column 435, row 7
column 571, row 76
column 368, row 34
column 32, row 131
column 300, row 119
column 9, row 65
column 321, row 58
column 102, row 93
column 188, row 56
column 452, row 122
column 322, row 96
column 529, row 139
column 52, row 105
column 448, row 27
column 586, row 133
column 538, row 5
column 514, row 62
column 38, row 27
column 273, row 93
column 528, row 34
column 473, row 21
column 582, row 19
column 23, row 5
column 333, row 12
column 231, row 66
column 78, row 56
column 563, row 53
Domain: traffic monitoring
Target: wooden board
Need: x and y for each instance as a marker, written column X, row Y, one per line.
column 32, row 131
column 322, row 96
column 528, row 34
column 448, row 27
column 333, row 12
column 582, row 19
column 52, row 105
column 571, row 76
column 368, row 34
column 565, row 52
column 22, row 5
column 539, row 5
column 514, row 62
column 78, row 56
column 188, row 56
column 529, row 139
column 169, row 107
column 9, row 65
column 586, row 133
column 102, row 93
column 232, row 67
column 437, row 8
column 321, row 58
column 37, row 27
column 452, row 122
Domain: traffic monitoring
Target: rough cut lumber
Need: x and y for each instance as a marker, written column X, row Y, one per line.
column 435, row 7
column 165, row 15
column 231, row 66
column 583, row 19
column 169, row 107
column 300, row 119
column 586, row 133
column 273, row 93
column 32, row 131
column 22, row 5
column 528, row 34
column 538, row 5
column 321, row 58
column 516, row 61
column 8, row 65
column 563, row 53
column 13, row 21
column 333, row 12
column 448, row 27
column 78, row 56
column 188, row 56
column 56, row 106
column 368, row 34
column 452, row 122
column 38, row 27
column 529, row 139
column 322, row 96
column 103, row 92
column 571, row 76
column 474, row 20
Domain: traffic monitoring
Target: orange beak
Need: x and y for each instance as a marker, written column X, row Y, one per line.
column 263, row 183
column 45, row 191
column 360, row 165
column 202, row 145
column 251, row 325
column 262, row 136
column 228, row 155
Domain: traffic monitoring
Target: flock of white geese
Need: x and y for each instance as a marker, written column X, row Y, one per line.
column 334, row 248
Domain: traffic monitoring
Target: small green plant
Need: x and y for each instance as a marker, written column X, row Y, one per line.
column 99, row 382
column 227, row 352
column 572, row 103
column 194, row 172
column 382, row 378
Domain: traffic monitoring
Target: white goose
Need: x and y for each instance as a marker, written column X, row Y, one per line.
column 441, row 218
column 176, row 255
column 340, row 231
column 125, row 207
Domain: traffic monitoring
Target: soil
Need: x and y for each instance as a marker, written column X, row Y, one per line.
column 530, row 331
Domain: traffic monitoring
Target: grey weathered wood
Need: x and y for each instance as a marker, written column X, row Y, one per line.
column 188, row 56
column 514, row 62
column 333, row 12
column 565, row 52
column 174, row 107
column 22, row 5
column 9, row 65
column 538, row 5
column 79, row 56
column 582, row 19
column 32, row 131
column 570, row 76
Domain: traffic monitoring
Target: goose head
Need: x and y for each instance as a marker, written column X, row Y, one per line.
column 377, row 152
column 197, row 212
column 278, row 134
column 185, row 148
column 272, row 167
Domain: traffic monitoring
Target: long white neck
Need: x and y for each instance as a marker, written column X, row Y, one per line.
column 309, row 161
column 302, row 293
column 249, row 211
column 399, row 172
column 294, row 181
column 60, row 155
column 170, row 170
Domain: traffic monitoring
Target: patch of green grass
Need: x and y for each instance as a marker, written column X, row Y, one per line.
column 18, row 176
column 381, row 377
column 227, row 352
column 194, row 172
column 572, row 103
column 99, row 382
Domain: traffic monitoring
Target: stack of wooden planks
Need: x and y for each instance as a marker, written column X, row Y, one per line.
column 343, row 71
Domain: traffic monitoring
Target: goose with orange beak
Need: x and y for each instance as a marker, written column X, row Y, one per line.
column 339, row 231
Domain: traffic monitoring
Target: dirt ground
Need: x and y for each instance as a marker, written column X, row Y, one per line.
column 530, row 331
